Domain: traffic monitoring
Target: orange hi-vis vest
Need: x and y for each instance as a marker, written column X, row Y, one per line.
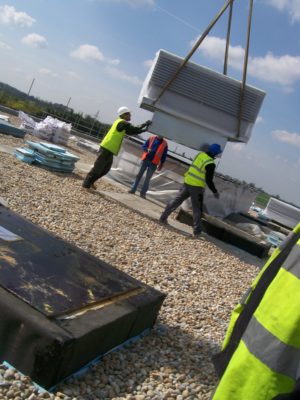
column 159, row 152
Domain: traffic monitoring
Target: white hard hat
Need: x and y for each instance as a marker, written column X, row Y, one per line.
column 123, row 110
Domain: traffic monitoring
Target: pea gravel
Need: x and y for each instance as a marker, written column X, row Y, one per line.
column 202, row 283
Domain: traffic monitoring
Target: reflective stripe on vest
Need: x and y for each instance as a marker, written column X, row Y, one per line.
column 266, row 361
column 113, row 139
column 195, row 175
column 159, row 152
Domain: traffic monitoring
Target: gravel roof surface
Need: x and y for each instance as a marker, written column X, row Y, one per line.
column 202, row 283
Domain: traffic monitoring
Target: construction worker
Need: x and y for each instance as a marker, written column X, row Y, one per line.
column 111, row 145
column 153, row 158
column 260, row 358
column 200, row 173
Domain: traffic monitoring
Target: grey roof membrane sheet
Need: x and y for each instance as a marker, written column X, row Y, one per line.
column 201, row 96
column 164, row 184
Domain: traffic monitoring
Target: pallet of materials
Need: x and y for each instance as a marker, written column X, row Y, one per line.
column 48, row 155
column 25, row 155
column 9, row 129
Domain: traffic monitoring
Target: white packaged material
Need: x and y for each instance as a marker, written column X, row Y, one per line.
column 201, row 97
column 27, row 123
column 50, row 129
column 253, row 229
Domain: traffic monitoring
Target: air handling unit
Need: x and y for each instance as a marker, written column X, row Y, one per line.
column 200, row 106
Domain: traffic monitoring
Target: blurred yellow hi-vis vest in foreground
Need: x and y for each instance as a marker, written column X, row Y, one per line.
column 260, row 358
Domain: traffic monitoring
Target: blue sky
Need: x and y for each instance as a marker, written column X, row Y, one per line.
column 98, row 52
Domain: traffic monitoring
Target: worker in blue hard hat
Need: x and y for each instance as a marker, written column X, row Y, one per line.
column 199, row 174
column 111, row 144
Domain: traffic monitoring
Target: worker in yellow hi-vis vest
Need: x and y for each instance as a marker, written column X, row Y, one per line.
column 199, row 174
column 260, row 358
column 111, row 145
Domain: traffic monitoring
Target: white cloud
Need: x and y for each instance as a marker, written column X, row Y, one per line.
column 4, row 46
column 87, row 52
column 214, row 48
column 118, row 74
column 35, row 40
column 283, row 70
column 73, row 75
column 148, row 63
column 259, row 120
column 48, row 72
column 9, row 15
column 113, row 62
column 287, row 137
column 292, row 7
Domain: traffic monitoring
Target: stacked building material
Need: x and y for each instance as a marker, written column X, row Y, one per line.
column 24, row 154
column 50, row 129
column 49, row 155
column 8, row 129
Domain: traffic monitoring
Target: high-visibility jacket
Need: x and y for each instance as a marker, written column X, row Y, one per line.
column 113, row 139
column 260, row 358
column 159, row 152
column 195, row 175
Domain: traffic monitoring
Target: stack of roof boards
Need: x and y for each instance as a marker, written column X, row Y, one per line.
column 25, row 154
column 49, row 155
column 9, row 129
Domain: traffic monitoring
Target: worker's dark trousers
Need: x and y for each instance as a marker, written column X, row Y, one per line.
column 101, row 167
column 196, row 194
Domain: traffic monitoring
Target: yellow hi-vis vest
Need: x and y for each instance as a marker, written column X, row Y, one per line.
column 195, row 175
column 113, row 139
column 260, row 358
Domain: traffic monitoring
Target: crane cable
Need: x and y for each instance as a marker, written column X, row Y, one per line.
column 195, row 47
column 245, row 68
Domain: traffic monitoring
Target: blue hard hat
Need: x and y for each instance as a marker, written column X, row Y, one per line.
column 215, row 149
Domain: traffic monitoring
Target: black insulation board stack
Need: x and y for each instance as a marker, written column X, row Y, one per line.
column 61, row 307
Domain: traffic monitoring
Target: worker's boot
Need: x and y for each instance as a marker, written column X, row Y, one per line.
column 198, row 235
column 163, row 221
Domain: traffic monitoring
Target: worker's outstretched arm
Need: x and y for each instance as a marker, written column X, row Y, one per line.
column 131, row 129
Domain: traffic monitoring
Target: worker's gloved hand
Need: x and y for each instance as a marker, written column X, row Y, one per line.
column 217, row 195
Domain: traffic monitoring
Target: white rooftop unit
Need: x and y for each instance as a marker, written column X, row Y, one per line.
column 200, row 106
column 283, row 213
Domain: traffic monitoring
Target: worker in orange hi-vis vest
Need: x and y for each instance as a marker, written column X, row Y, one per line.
column 153, row 158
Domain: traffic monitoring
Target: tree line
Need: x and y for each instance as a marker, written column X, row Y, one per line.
column 34, row 106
